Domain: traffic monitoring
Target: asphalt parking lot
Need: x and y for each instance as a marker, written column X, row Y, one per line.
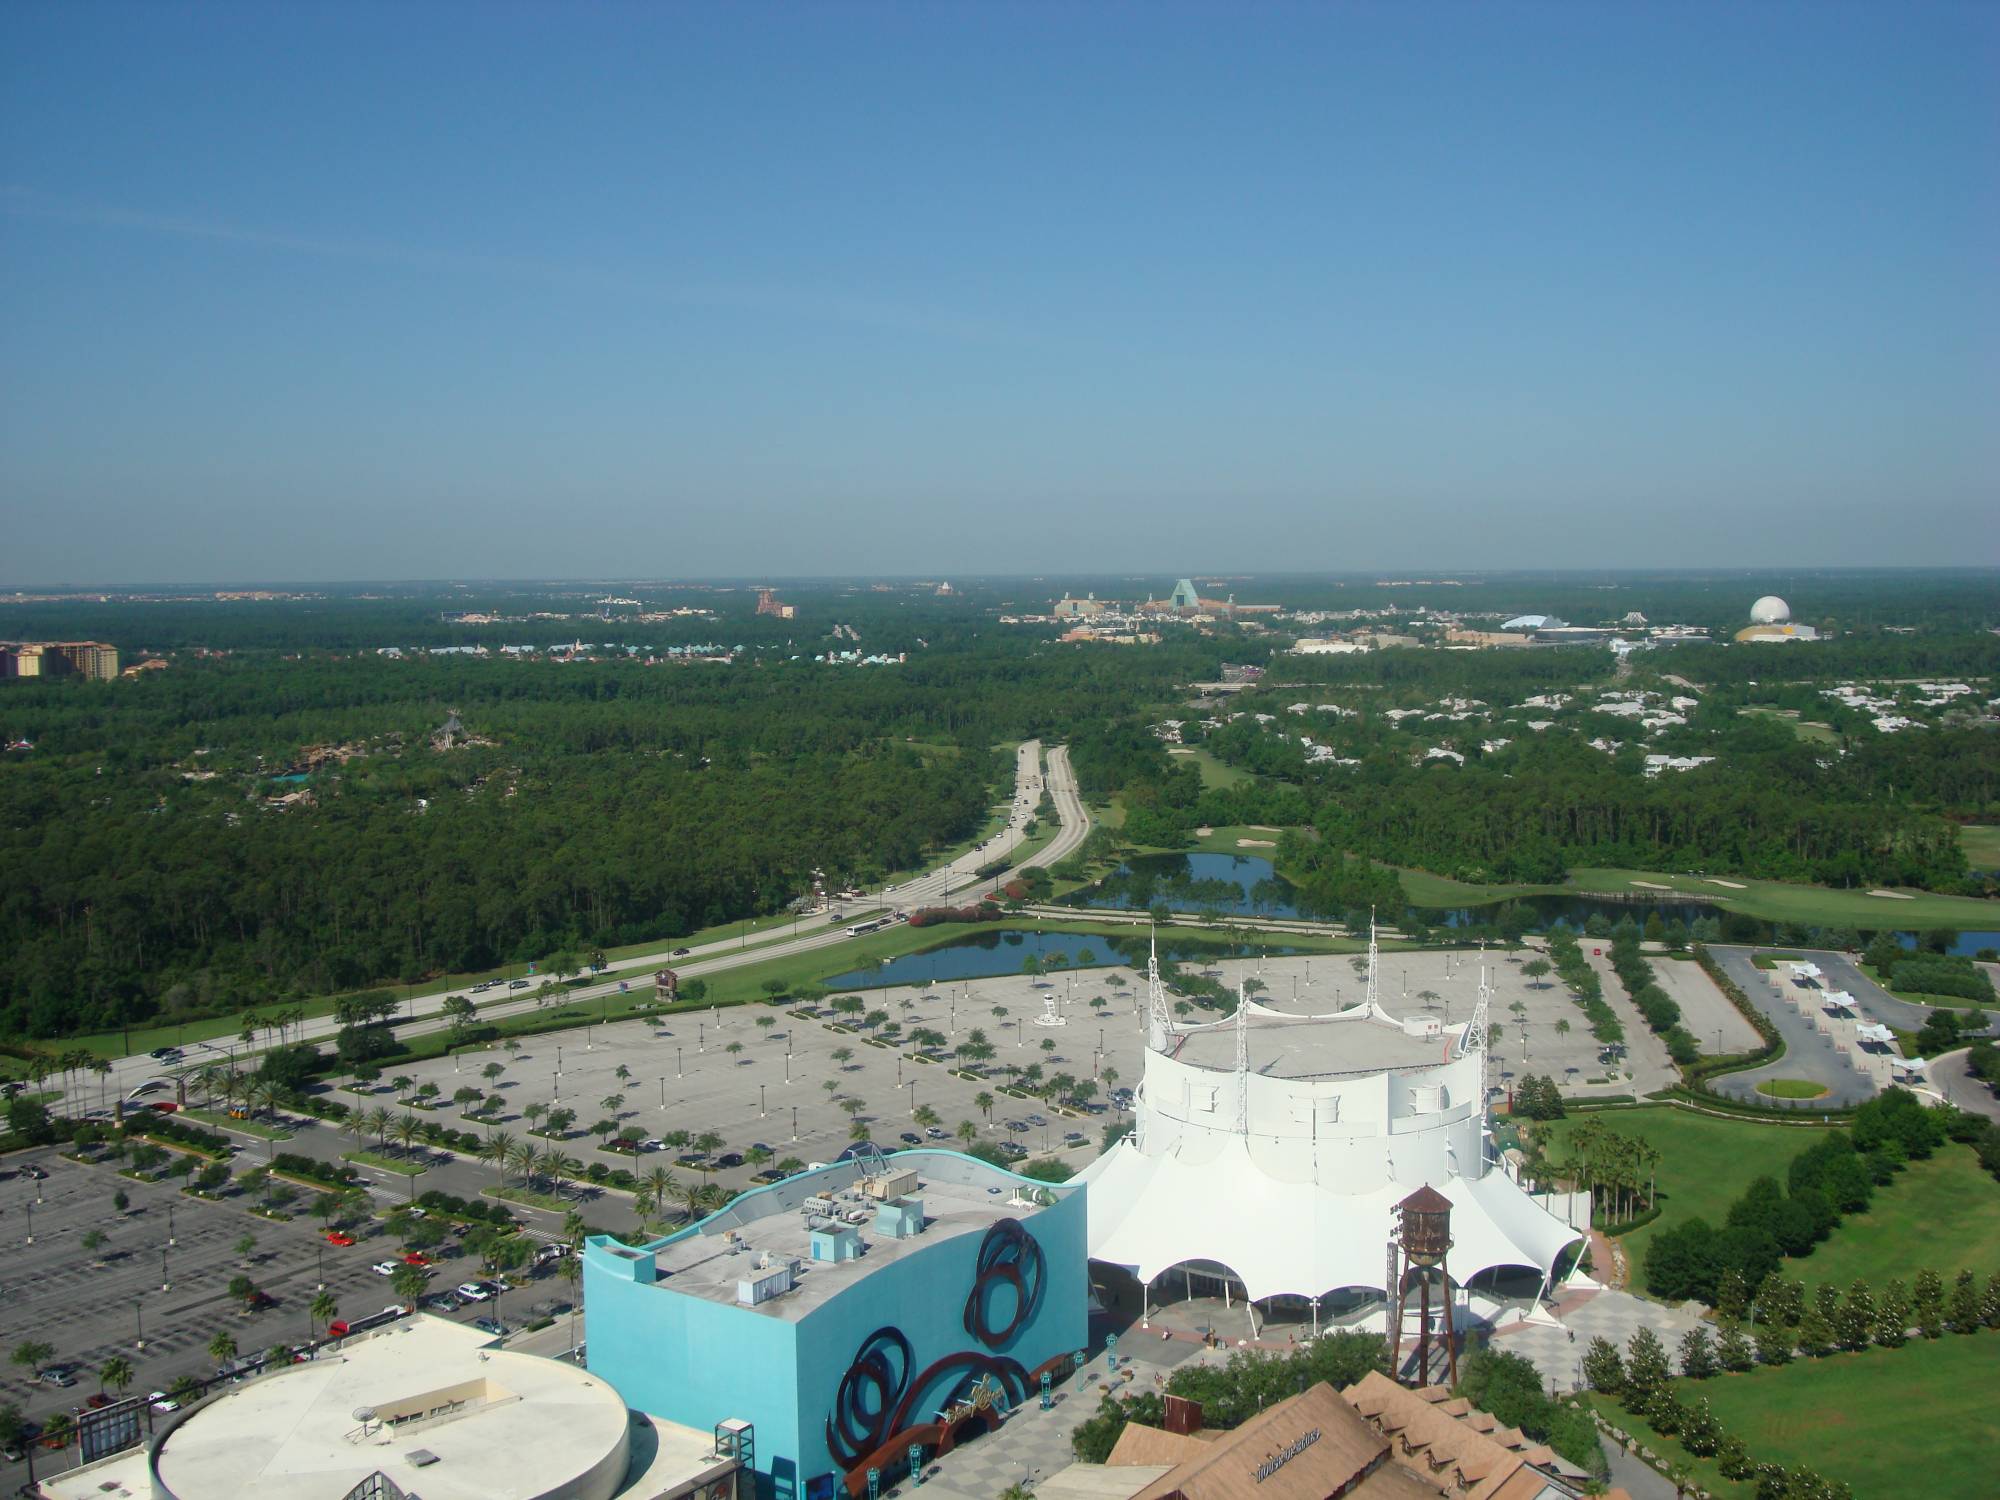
column 91, row 1305
column 759, row 1075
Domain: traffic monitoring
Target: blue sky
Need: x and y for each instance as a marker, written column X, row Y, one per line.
column 431, row 290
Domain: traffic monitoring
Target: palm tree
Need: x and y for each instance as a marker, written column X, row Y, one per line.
column 656, row 1190
column 380, row 1122
column 983, row 1101
column 691, row 1195
column 115, row 1372
column 222, row 1348
column 611, row 1104
column 924, row 1116
column 498, row 1153
column 407, row 1128
column 622, row 1073
column 185, row 1389
column 533, row 1113
column 522, row 1158
column 323, row 1309
column 967, row 1131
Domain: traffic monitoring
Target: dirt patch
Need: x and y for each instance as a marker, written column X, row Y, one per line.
column 1892, row 895
column 1255, row 844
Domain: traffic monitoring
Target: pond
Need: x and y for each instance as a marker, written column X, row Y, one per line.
column 1240, row 885
column 989, row 953
column 1249, row 885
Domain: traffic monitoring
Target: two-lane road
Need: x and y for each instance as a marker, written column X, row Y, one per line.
column 958, row 875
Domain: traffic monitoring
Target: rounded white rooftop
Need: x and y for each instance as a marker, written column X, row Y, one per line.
column 1770, row 610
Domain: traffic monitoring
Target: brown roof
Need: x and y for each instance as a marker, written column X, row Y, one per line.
column 1427, row 1200
column 1304, row 1448
column 1448, row 1441
column 1140, row 1444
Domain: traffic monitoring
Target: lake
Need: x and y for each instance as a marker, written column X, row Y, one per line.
column 990, row 952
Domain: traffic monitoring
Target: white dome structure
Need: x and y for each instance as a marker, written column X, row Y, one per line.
column 1770, row 610
column 1270, row 1151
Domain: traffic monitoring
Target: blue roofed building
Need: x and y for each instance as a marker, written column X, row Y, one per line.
column 847, row 1316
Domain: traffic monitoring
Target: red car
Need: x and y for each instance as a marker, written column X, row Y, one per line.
column 417, row 1258
column 337, row 1237
column 164, row 1106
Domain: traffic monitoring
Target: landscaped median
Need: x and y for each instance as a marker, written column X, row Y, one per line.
column 402, row 1166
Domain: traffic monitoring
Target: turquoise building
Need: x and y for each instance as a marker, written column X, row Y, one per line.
column 848, row 1315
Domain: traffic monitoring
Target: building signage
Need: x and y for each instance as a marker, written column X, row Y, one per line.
column 1286, row 1454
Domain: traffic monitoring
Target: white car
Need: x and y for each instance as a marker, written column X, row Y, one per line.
column 472, row 1291
column 162, row 1402
column 384, row 1268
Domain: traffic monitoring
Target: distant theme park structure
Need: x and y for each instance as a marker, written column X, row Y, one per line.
column 1771, row 620
column 1274, row 1159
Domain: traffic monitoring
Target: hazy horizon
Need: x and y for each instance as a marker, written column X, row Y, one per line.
column 515, row 292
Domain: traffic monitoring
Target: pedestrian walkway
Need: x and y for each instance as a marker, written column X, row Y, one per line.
column 1556, row 1348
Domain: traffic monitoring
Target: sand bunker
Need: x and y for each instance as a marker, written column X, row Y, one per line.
column 1734, row 885
column 1647, row 885
column 1892, row 895
column 1255, row 844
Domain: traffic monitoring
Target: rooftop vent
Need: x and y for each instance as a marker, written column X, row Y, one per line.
column 423, row 1458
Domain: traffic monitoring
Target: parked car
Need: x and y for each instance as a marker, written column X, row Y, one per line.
column 938, row 1133
column 384, row 1268
column 910, row 1138
column 517, row 984
column 682, row 952
column 164, row 1106
column 417, row 1258
column 1037, row 1120
column 34, row 1173
column 61, row 1376
column 729, row 1159
column 444, row 1302
column 1017, row 1125
column 1072, row 1137
column 472, row 1291
column 494, row 1326
column 653, row 1145
column 339, row 1237
column 767, row 1176
column 623, row 1146
column 162, row 1402
column 692, row 1159
column 1013, row 1150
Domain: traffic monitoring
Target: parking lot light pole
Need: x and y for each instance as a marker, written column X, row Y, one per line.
column 760, row 1101
column 139, row 1319
column 795, row 1122
column 677, row 1063
column 663, row 1092
column 166, row 1281
column 31, row 1221
column 170, row 1223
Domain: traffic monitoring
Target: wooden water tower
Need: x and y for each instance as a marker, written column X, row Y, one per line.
column 1423, row 1235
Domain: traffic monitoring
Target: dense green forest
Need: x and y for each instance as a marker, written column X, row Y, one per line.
column 270, row 816
column 154, row 870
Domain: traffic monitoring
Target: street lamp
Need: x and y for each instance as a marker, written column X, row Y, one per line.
column 677, row 1062
column 795, row 1122
column 170, row 1223
column 663, row 1093
column 166, row 1281
column 31, row 1221
column 760, row 1101
column 139, row 1322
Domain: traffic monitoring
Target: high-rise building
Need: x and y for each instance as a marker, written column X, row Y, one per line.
column 92, row 659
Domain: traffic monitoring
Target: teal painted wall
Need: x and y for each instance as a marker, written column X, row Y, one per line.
column 697, row 1362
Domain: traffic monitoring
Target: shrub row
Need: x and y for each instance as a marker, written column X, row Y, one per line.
column 1655, row 1005
column 313, row 1169
column 156, row 1126
column 437, row 1202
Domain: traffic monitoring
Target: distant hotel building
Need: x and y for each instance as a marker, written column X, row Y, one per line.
column 92, row 659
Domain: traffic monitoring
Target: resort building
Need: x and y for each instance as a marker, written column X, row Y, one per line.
column 851, row 1319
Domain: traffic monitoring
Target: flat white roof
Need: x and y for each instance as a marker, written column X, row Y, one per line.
column 507, row 1424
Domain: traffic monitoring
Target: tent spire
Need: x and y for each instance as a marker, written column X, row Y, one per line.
column 1372, row 958
column 1242, row 1061
column 1158, row 1024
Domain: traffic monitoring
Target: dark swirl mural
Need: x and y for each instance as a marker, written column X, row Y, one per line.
column 1010, row 1272
column 881, row 1409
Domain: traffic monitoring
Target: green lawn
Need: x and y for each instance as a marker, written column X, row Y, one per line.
column 1772, row 900
column 1214, row 774
column 1942, row 1214
column 1705, row 1162
column 1790, row 1088
column 1981, row 843
column 1805, row 729
column 1922, row 1419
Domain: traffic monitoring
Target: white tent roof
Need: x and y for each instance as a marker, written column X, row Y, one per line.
column 1150, row 1213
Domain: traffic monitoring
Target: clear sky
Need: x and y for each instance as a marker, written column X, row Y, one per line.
column 318, row 291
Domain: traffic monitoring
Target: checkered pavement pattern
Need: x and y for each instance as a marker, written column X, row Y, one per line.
column 1615, row 1316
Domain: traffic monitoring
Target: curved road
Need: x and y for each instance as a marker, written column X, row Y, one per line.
column 959, row 875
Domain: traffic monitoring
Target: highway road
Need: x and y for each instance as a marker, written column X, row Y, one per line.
column 957, row 876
